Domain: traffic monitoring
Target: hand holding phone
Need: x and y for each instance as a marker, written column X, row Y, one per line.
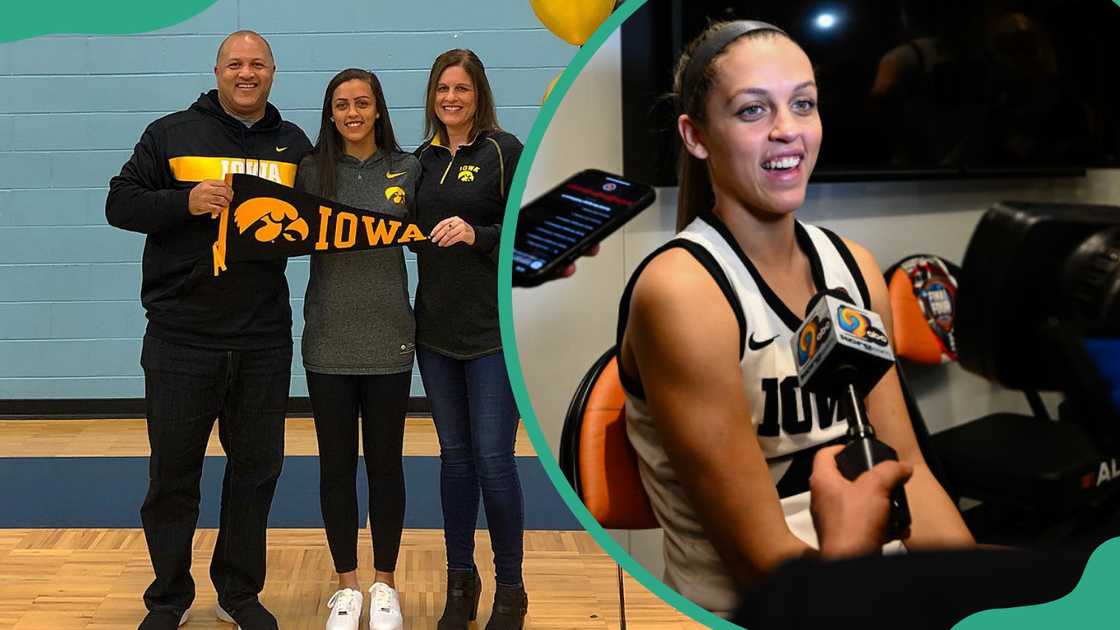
column 570, row 220
column 570, row 270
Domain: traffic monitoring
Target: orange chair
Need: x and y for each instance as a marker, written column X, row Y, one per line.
column 598, row 460
column 596, row 455
column 1017, row 464
column 918, row 286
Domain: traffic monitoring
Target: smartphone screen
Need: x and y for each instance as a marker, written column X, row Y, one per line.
column 555, row 229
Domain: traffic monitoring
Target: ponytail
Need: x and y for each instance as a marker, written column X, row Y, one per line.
column 694, row 189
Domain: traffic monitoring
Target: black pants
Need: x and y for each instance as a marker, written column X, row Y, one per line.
column 185, row 389
column 383, row 402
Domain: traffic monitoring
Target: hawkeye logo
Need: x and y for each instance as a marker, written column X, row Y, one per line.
column 343, row 227
column 395, row 194
column 274, row 218
column 467, row 172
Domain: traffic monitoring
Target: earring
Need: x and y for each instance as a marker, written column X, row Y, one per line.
column 332, row 118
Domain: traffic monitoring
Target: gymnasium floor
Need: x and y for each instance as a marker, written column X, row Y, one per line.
column 72, row 555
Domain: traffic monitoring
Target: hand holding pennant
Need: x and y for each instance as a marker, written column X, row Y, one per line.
column 271, row 220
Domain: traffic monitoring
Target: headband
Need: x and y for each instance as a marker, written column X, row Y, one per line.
column 714, row 44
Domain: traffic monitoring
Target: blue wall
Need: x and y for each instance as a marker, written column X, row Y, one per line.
column 71, row 109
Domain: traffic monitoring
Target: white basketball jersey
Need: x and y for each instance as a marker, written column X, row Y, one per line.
column 790, row 423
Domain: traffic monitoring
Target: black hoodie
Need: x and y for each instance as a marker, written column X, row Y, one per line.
column 457, row 295
column 247, row 306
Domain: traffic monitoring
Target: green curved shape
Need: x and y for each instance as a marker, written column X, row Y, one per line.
column 120, row 17
column 1089, row 602
column 509, row 338
column 1092, row 602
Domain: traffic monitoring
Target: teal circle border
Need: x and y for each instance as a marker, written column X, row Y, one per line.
column 509, row 337
column 1090, row 594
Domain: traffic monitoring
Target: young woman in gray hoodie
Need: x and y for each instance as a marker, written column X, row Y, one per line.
column 358, row 341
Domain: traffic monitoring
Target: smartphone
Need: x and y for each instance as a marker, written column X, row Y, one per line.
column 554, row 230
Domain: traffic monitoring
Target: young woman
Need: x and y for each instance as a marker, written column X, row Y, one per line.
column 358, row 343
column 724, row 435
column 467, row 164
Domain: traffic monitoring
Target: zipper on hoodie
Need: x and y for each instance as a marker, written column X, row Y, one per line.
column 448, row 169
column 453, row 155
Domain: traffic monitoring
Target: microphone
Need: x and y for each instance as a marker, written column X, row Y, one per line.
column 842, row 352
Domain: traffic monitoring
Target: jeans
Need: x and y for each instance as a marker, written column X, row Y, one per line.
column 383, row 401
column 185, row 389
column 476, row 420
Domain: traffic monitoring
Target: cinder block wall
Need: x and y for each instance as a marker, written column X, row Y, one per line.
column 72, row 107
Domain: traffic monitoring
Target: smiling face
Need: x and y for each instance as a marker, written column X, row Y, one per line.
column 455, row 100
column 244, row 72
column 354, row 109
column 763, row 132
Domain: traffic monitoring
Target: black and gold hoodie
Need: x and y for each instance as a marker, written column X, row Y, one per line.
column 247, row 306
column 457, row 296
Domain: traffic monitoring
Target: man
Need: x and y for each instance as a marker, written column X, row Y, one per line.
column 215, row 347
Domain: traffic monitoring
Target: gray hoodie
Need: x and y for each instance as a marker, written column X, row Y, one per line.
column 357, row 315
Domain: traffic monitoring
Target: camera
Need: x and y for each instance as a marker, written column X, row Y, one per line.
column 1039, row 307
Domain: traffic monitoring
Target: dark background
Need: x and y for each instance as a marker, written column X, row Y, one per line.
column 989, row 87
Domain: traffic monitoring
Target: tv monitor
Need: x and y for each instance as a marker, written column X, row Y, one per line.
column 909, row 89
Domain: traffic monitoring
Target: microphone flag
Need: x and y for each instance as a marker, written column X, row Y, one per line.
column 267, row 220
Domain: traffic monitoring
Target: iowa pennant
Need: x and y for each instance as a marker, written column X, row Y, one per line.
column 269, row 220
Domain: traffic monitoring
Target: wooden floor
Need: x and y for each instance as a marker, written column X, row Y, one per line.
column 82, row 579
column 93, row 579
column 129, row 438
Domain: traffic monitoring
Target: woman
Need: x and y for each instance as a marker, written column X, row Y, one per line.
column 724, row 435
column 467, row 164
column 358, row 343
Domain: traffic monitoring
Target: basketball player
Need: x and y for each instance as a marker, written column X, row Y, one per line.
column 724, row 435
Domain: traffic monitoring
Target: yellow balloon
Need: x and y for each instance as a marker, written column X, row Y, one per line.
column 548, row 90
column 572, row 20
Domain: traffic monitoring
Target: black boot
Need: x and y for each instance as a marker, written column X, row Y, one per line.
column 464, row 587
column 510, row 605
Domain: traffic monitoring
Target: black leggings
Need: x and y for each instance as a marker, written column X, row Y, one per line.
column 383, row 400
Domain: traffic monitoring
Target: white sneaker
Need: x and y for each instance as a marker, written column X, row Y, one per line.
column 222, row 615
column 346, row 610
column 384, row 608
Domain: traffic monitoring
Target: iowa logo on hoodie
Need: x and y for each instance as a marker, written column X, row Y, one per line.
column 192, row 168
column 467, row 172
